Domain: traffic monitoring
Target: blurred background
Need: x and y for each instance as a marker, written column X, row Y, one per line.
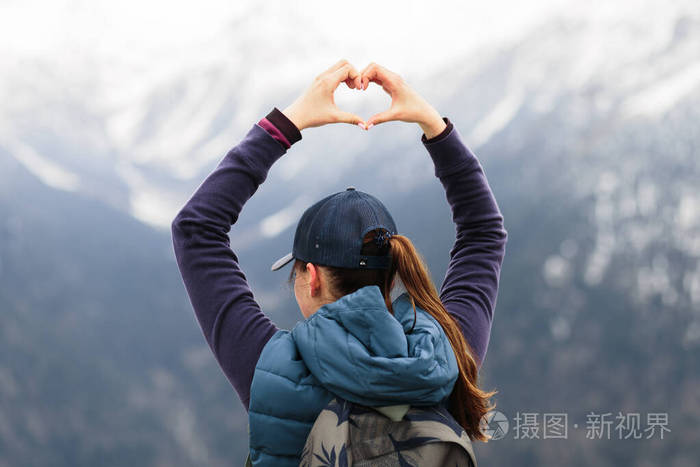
column 584, row 116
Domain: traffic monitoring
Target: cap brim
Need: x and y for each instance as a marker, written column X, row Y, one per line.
column 281, row 262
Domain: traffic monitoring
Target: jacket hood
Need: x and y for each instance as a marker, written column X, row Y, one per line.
column 363, row 353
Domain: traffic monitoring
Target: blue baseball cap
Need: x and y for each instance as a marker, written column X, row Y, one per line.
column 331, row 231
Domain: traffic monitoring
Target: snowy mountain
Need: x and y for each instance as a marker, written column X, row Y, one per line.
column 586, row 125
column 141, row 139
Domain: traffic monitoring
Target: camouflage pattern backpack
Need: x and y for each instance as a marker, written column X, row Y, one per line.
column 347, row 434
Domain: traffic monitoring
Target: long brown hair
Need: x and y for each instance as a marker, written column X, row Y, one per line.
column 468, row 404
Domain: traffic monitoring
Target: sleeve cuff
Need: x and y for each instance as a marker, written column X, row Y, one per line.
column 448, row 151
column 284, row 125
column 441, row 136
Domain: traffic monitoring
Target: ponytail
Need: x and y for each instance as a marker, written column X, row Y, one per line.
column 467, row 404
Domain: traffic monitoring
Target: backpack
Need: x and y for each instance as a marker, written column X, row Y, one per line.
column 346, row 434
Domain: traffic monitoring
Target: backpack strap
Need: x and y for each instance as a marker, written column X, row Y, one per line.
column 394, row 412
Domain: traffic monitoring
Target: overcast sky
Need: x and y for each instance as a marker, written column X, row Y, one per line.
column 126, row 46
column 131, row 36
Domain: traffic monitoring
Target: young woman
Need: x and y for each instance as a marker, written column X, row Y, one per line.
column 355, row 342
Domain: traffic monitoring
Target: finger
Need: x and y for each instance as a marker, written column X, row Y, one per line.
column 377, row 75
column 343, row 73
column 380, row 117
column 355, row 83
column 347, row 117
column 364, row 70
column 336, row 65
column 364, row 77
column 374, row 72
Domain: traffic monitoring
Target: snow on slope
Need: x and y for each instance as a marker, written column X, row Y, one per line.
column 140, row 105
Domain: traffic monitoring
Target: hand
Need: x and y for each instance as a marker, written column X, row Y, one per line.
column 316, row 107
column 406, row 104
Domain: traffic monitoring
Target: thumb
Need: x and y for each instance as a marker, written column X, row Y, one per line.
column 381, row 117
column 347, row 117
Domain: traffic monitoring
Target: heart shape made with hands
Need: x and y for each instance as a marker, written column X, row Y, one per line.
column 379, row 75
column 374, row 104
column 316, row 106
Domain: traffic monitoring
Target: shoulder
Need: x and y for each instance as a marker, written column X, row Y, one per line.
column 279, row 356
column 280, row 366
column 283, row 384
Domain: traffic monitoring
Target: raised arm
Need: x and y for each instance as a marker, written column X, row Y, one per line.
column 232, row 322
column 470, row 287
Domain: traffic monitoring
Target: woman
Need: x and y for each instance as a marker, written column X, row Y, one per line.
column 420, row 349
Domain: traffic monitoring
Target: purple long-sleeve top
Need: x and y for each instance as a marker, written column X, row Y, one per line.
column 233, row 324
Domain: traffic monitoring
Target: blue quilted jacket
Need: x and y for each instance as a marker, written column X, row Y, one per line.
column 354, row 348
